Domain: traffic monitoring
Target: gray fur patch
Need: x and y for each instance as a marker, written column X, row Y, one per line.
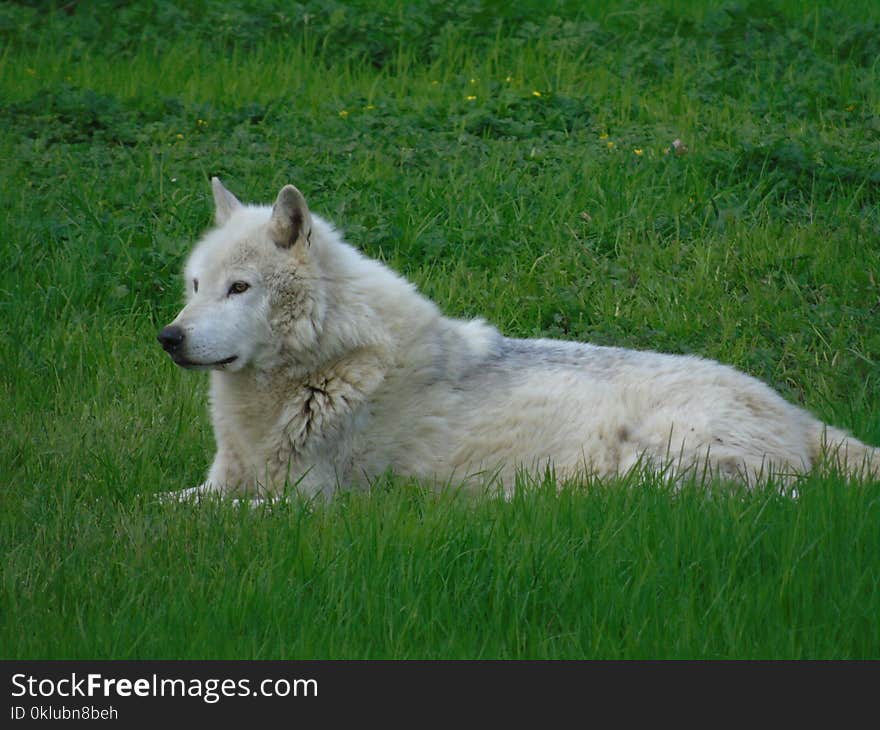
column 522, row 356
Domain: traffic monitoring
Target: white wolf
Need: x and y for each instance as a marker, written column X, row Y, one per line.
column 328, row 369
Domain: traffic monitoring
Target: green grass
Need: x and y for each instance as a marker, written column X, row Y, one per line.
column 560, row 213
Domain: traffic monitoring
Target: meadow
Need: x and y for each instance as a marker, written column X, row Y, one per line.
column 689, row 177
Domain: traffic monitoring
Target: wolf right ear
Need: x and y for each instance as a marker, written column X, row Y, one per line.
column 225, row 202
column 291, row 220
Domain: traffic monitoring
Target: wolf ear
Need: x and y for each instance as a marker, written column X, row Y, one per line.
column 291, row 220
column 225, row 202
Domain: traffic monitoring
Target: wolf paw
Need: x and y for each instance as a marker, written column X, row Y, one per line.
column 194, row 495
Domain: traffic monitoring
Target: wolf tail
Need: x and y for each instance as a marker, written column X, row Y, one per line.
column 845, row 451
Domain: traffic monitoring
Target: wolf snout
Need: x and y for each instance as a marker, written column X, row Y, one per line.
column 171, row 338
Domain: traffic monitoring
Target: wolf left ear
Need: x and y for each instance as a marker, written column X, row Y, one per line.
column 225, row 203
column 291, row 220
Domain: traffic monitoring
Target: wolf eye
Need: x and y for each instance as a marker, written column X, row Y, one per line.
column 238, row 287
column 195, row 285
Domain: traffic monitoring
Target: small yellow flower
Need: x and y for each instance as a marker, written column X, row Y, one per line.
column 343, row 113
column 202, row 123
column 509, row 79
column 638, row 152
column 610, row 144
column 179, row 136
column 472, row 98
column 369, row 107
column 536, row 93
column 604, row 135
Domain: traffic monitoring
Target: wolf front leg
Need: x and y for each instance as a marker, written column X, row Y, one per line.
column 212, row 486
column 231, row 475
column 225, row 478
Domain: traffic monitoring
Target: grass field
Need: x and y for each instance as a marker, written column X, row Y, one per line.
column 517, row 162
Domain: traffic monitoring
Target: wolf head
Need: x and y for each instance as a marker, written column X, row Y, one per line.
column 250, row 286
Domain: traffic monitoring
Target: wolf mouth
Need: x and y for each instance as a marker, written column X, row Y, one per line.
column 184, row 363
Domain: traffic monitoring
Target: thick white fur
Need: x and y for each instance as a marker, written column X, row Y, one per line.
column 343, row 371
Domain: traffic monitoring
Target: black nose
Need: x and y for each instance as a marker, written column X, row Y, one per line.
column 171, row 337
